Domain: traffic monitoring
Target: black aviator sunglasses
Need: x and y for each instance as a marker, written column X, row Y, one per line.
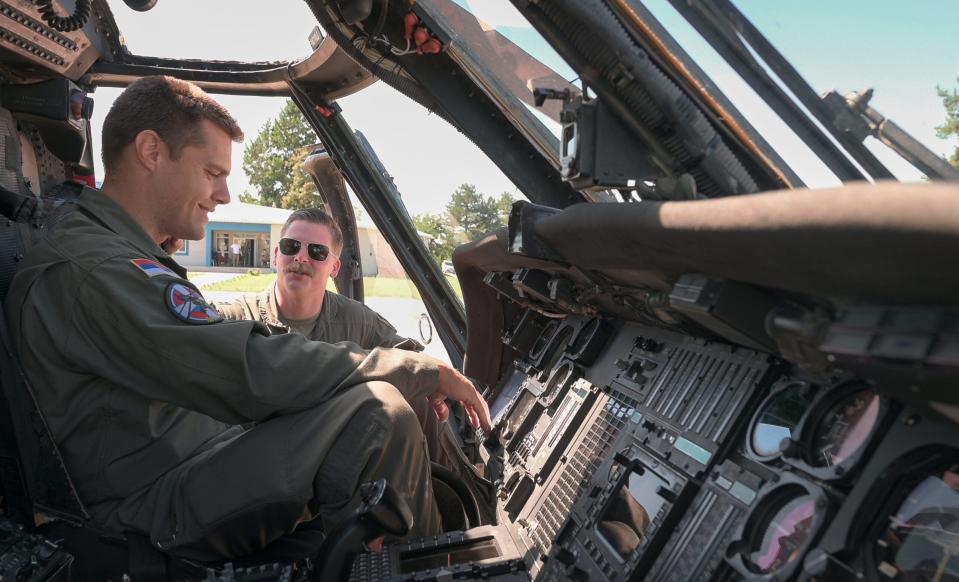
column 316, row 251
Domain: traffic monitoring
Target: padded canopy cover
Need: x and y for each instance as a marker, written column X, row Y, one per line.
column 886, row 242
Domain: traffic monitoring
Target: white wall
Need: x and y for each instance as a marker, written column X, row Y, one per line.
column 196, row 254
column 367, row 257
column 274, row 240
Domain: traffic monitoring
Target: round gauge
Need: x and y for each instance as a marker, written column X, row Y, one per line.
column 921, row 539
column 784, row 535
column 584, row 335
column 844, row 429
column 518, row 415
column 778, row 416
column 559, row 381
column 543, row 340
column 554, row 349
column 590, row 341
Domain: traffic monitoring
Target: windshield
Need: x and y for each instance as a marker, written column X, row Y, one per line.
column 850, row 53
column 504, row 54
column 218, row 30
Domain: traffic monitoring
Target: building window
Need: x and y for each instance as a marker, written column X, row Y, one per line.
column 240, row 249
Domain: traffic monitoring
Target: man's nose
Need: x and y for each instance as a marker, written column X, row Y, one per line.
column 221, row 195
column 303, row 255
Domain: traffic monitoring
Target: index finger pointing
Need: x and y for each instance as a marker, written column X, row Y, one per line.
column 482, row 411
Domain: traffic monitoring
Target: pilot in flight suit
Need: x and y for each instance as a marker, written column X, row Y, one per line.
column 306, row 256
column 301, row 287
column 144, row 385
column 340, row 320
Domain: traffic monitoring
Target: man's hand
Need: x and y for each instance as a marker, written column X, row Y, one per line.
column 456, row 386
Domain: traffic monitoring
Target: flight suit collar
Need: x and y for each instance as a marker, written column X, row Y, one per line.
column 270, row 310
column 100, row 207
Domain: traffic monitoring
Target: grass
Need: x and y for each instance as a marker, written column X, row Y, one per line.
column 242, row 283
column 372, row 286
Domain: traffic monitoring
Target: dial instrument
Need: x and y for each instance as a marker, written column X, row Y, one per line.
column 780, row 415
column 784, row 535
column 845, row 428
column 921, row 539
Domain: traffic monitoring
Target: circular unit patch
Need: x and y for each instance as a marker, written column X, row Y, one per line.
column 186, row 304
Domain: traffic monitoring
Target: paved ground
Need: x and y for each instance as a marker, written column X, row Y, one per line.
column 404, row 314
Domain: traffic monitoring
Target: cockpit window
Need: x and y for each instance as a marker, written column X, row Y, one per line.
column 850, row 50
column 231, row 33
column 851, row 54
column 499, row 18
column 499, row 47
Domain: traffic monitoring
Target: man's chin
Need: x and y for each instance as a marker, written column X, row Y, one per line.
column 188, row 235
column 192, row 232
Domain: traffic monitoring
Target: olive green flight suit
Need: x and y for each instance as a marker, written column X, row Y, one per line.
column 343, row 319
column 144, row 403
column 340, row 319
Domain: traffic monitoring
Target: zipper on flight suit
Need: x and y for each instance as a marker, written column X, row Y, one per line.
column 170, row 541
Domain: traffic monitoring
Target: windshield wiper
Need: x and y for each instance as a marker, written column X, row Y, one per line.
column 725, row 28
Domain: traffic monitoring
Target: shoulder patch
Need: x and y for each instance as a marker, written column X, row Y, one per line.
column 186, row 304
column 153, row 268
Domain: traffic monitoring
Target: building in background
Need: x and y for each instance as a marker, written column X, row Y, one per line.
column 250, row 229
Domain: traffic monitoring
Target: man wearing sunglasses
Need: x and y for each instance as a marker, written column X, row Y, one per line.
column 145, row 387
column 307, row 255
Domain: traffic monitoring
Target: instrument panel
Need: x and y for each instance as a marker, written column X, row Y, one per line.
column 625, row 451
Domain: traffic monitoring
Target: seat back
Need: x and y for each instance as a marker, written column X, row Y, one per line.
column 32, row 472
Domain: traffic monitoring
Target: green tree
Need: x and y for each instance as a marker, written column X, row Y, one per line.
column 302, row 192
column 472, row 213
column 443, row 239
column 469, row 215
column 273, row 162
column 950, row 128
column 503, row 206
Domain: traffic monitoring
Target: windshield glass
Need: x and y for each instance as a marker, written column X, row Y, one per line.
column 851, row 52
column 503, row 52
column 222, row 30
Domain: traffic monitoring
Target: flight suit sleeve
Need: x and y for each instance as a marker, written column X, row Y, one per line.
column 123, row 329
column 233, row 311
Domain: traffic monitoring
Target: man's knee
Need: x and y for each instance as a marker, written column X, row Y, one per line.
column 381, row 439
column 388, row 407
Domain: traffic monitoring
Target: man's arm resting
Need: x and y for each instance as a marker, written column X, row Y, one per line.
column 124, row 330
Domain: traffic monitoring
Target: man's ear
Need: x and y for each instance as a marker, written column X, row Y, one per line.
column 335, row 269
column 276, row 254
column 148, row 147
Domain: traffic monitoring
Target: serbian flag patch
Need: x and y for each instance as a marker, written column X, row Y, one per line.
column 153, row 268
column 186, row 304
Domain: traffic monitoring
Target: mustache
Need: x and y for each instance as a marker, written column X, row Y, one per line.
column 299, row 268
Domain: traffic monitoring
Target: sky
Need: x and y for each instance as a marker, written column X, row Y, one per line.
column 901, row 50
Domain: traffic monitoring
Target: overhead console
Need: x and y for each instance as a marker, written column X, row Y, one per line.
column 67, row 49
